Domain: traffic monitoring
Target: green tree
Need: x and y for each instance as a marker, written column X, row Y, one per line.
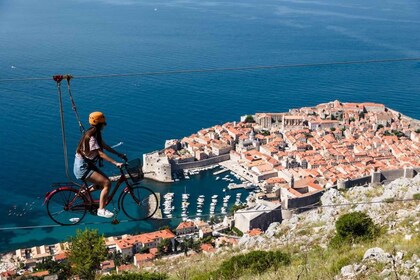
column 116, row 257
column 87, row 251
column 249, row 119
column 62, row 269
column 165, row 247
column 237, row 207
column 354, row 227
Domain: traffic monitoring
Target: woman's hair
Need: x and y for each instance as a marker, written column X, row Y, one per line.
column 95, row 130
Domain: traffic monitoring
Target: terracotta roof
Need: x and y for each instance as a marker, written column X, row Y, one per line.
column 184, row 225
column 61, row 256
column 108, row 264
column 126, row 267
column 40, row 273
column 255, row 232
column 144, row 257
column 207, row 248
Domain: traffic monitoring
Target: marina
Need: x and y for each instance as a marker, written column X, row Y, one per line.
column 215, row 201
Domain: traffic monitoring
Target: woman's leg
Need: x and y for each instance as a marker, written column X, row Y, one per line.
column 100, row 180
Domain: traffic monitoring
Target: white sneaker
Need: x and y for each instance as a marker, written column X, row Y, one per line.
column 105, row 213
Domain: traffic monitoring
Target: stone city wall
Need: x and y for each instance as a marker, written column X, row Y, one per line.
column 297, row 202
column 199, row 163
column 346, row 184
column 390, row 175
column 264, row 220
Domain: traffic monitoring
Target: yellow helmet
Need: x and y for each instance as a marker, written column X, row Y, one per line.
column 96, row 118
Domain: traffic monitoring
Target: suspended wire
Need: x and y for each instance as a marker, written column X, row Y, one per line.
column 227, row 69
column 312, row 206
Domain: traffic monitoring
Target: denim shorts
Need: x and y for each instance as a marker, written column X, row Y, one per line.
column 81, row 169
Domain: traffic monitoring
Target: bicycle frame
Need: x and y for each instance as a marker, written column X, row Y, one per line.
column 123, row 178
column 88, row 195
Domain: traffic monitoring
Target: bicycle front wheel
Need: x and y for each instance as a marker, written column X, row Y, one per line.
column 139, row 203
column 66, row 207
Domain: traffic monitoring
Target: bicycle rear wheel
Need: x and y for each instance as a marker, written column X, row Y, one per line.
column 139, row 203
column 66, row 207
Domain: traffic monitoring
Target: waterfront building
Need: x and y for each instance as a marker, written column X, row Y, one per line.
column 186, row 227
column 130, row 245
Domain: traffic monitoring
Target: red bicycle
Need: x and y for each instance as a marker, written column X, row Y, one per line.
column 68, row 203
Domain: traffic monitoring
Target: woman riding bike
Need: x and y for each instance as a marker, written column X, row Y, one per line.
column 89, row 151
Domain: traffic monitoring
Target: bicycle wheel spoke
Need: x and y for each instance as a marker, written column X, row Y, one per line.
column 66, row 207
column 140, row 203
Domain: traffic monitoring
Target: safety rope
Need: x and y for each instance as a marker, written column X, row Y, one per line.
column 73, row 104
column 58, row 79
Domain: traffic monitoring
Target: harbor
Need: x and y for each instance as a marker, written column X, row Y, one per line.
column 201, row 196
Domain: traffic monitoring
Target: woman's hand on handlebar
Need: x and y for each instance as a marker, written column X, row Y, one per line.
column 119, row 164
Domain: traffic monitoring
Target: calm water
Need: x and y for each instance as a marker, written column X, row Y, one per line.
column 86, row 37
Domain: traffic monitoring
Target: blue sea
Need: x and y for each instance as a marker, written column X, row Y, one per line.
column 93, row 37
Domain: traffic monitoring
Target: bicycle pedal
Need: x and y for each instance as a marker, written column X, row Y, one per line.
column 115, row 222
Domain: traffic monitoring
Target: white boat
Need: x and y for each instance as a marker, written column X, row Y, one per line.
column 185, row 204
column 214, row 196
column 187, row 177
column 168, row 195
column 72, row 220
column 217, row 178
column 199, row 211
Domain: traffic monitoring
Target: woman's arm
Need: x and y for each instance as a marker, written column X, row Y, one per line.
column 107, row 158
column 111, row 150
